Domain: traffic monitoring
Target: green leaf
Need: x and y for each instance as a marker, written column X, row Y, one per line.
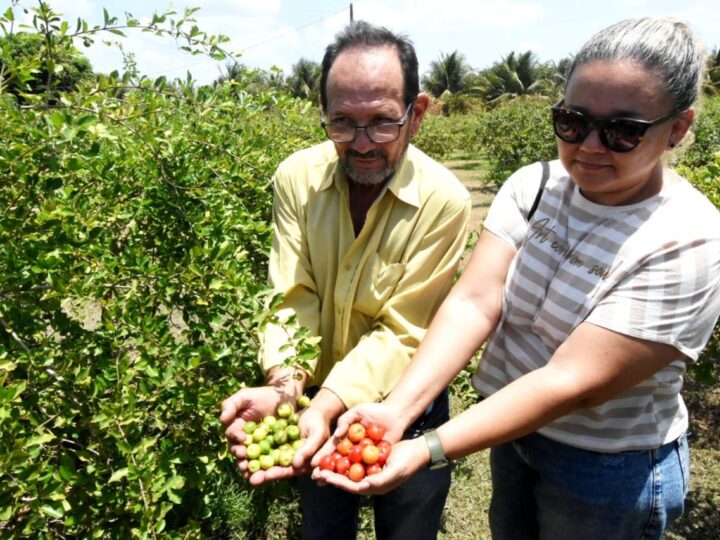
column 67, row 468
column 11, row 392
column 7, row 365
column 58, row 119
column 86, row 120
column 119, row 475
column 52, row 511
column 216, row 284
column 40, row 440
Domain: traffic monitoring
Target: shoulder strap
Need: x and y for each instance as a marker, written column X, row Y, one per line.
column 543, row 181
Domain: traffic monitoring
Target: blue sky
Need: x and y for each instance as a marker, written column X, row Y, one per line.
column 278, row 32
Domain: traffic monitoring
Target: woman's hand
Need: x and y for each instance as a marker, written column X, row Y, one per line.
column 381, row 414
column 406, row 458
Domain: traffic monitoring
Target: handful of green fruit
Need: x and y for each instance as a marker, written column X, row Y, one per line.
column 274, row 440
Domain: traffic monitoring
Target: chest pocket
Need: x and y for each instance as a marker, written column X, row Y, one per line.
column 377, row 284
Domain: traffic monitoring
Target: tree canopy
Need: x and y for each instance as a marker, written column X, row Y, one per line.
column 447, row 74
column 33, row 66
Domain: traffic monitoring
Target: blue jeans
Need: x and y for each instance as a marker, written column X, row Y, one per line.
column 549, row 490
column 413, row 510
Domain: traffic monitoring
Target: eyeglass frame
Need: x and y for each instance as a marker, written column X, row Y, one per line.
column 400, row 123
column 599, row 125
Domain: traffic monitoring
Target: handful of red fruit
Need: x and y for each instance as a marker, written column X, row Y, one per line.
column 361, row 453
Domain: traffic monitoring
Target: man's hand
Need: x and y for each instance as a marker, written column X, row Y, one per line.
column 256, row 403
column 247, row 404
column 243, row 406
column 314, row 430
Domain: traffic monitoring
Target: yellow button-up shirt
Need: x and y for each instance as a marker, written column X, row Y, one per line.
column 370, row 298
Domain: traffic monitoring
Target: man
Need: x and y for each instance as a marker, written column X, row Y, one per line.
column 368, row 232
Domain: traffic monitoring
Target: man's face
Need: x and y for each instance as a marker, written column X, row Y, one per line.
column 365, row 86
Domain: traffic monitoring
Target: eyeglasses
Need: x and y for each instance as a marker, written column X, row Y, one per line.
column 382, row 132
column 617, row 134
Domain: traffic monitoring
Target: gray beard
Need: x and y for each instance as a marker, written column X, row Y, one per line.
column 367, row 179
column 370, row 179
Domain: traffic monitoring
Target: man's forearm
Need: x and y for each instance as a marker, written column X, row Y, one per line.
column 289, row 382
column 328, row 402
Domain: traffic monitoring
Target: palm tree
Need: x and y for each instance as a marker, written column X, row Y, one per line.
column 448, row 74
column 251, row 79
column 304, row 82
column 516, row 75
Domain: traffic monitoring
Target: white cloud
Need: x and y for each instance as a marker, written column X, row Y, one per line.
column 241, row 7
column 431, row 16
column 273, row 32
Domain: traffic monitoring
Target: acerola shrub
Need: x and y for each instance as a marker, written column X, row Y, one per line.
column 443, row 137
column 517, row 133
column 133, row 240
column 707, row 179
column 706, row 134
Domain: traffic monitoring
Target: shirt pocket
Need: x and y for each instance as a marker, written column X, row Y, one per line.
column 378, row 284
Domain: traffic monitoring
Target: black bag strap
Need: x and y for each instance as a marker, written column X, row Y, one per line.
column 543, row 181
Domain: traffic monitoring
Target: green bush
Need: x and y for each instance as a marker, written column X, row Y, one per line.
column 706, row 134
column 24, row 55
column 133, row 244
column 516, row 134
column 443, row 137
column 707, row 179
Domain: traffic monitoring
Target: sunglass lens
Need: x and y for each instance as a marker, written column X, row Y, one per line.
column 570, row 126
column 622, row 135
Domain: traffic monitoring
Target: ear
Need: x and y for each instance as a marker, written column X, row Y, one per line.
column 422, row 102
column 680, row 127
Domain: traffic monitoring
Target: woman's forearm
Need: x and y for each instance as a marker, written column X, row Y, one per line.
column 462, row 324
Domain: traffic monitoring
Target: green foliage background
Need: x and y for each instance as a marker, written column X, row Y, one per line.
column 133, row 240
column 516, row 133
column 445, row 137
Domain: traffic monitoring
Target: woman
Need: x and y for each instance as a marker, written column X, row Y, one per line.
column 592, row 310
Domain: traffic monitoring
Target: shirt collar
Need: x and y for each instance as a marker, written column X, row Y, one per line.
column 403, row 184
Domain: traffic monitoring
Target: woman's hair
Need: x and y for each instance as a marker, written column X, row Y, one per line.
column 665, row 45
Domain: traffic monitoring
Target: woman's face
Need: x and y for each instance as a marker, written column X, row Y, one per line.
column 605, row 89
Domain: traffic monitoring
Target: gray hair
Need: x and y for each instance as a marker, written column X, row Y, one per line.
column 664, row 44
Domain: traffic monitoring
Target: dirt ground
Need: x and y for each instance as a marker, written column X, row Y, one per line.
column 470, row 173
column 482, row 195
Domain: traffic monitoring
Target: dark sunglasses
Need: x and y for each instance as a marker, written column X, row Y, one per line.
column 617, row 134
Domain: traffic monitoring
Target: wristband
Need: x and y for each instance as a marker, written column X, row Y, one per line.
column 437, row 455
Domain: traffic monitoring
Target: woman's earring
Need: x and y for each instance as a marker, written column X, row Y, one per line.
column 671, row 145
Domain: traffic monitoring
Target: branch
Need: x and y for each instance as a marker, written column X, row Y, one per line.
column 15, row 336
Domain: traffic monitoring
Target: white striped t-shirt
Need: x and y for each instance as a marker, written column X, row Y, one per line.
column 649, row 270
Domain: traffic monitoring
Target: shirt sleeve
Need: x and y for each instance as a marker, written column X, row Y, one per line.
column 374, row 366
column 291, row 274
column 672, row 298
column 507, row 216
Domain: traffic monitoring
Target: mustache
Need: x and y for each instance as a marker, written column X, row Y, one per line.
column 372, row 154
